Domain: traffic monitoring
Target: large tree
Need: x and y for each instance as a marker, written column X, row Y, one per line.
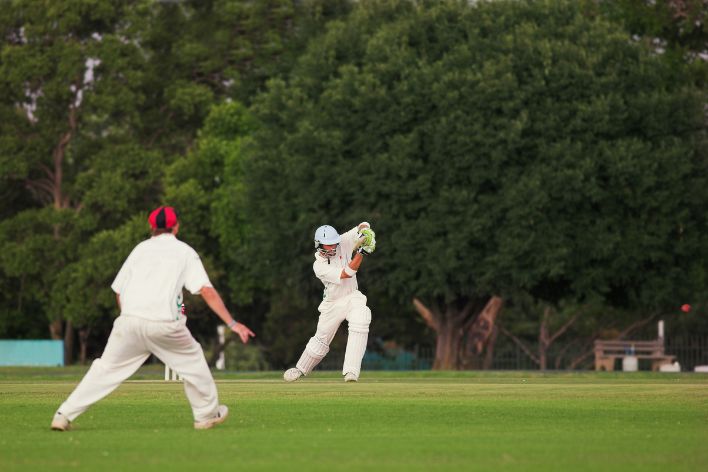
column 497, row 148
column 69, row 82
column 96, row 100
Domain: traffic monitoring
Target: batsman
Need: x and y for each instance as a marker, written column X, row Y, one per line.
column 337, row 260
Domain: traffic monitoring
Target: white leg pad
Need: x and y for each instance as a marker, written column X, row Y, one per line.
column 359, row 319
column 356, row 346
column 312, row 355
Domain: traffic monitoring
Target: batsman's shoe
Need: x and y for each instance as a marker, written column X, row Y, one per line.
column 291, row 375
column 349, row 377
column 60, row 422
column 221, row 415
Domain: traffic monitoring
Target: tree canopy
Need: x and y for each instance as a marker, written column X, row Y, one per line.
column 497, row 148
column 547, row 156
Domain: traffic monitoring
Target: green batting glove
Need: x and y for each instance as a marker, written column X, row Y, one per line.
column 367, row 249
column 369, row 237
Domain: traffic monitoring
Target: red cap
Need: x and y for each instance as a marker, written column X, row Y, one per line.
column 163, row 217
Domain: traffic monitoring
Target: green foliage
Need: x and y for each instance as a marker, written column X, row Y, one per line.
column 504, row 147
column 81, row 291
column 207, row 187
column 244, row 357
column 529, row 148
column 31, row 256
column 97, row 100
column 677, row 29
column 121, row 180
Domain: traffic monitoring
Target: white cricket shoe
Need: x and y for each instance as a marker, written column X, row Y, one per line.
column 220, row 417
column 60, row 422
column 291, row 375
column 350, row 377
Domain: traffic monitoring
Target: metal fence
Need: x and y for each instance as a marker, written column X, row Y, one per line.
column 690, row 352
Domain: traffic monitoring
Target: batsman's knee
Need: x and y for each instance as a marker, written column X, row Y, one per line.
column 360, row 319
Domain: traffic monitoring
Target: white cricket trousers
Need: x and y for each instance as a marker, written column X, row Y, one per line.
column 129, row 345
column 332, row 313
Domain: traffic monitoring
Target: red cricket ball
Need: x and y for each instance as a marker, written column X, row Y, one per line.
column 686, row 308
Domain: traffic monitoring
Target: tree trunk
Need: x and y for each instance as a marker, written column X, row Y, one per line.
column 447, row 347
column 543, row 339
column 478, row 331
column 68, row 343
column 452, row 324
column 51, row 188
column 83, row 344
column 489, row 355
column 55, row 329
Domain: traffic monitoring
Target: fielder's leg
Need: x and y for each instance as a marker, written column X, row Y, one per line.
column 174, row 345
column 359, row 321
column 125, row 352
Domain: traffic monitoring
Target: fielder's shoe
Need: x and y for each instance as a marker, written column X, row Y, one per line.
column 349, row 377
column 220, row 417
column 60, row 422
column 291, row 375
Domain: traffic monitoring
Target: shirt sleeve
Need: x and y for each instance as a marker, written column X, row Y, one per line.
column 350, row 236
column 327, row 273
column 123, row 274
column 195, row 274
column 349, row 240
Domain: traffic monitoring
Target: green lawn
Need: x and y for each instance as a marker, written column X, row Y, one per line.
column 418, row 421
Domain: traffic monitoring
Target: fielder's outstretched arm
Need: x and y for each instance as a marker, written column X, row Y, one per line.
column 213, row 299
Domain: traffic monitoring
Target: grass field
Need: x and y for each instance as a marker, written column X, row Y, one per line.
column 398, row 421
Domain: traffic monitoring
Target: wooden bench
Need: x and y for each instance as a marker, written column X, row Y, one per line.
column 606, row 352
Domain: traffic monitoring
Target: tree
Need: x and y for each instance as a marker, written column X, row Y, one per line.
column 675, row 28
column 97, row 101
column 81, row 291
column 207, row 188
column 497, row 148
column 68, row 95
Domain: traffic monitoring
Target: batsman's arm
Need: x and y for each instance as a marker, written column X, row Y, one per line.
column 353, row 234
column 213, row 299
column 353, row 266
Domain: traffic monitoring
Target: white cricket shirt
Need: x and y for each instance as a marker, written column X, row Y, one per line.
column 152, row 277
column 330, row 270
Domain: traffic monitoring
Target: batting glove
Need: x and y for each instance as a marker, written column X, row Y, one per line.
column 367, row 237
column 366, row 250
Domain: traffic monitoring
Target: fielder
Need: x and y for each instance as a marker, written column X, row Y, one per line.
column 336, row 268
column 148, row 290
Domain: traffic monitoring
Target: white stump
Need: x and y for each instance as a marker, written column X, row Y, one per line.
column 221, row 361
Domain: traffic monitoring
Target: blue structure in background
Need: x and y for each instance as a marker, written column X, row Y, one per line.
column 396, row 359
column 36, row 352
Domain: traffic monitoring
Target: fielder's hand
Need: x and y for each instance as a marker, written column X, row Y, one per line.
column 244, row 333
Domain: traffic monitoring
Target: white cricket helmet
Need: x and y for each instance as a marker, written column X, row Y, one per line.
column 326, row 234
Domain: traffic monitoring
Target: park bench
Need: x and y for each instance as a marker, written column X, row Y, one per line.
column 606, row 352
